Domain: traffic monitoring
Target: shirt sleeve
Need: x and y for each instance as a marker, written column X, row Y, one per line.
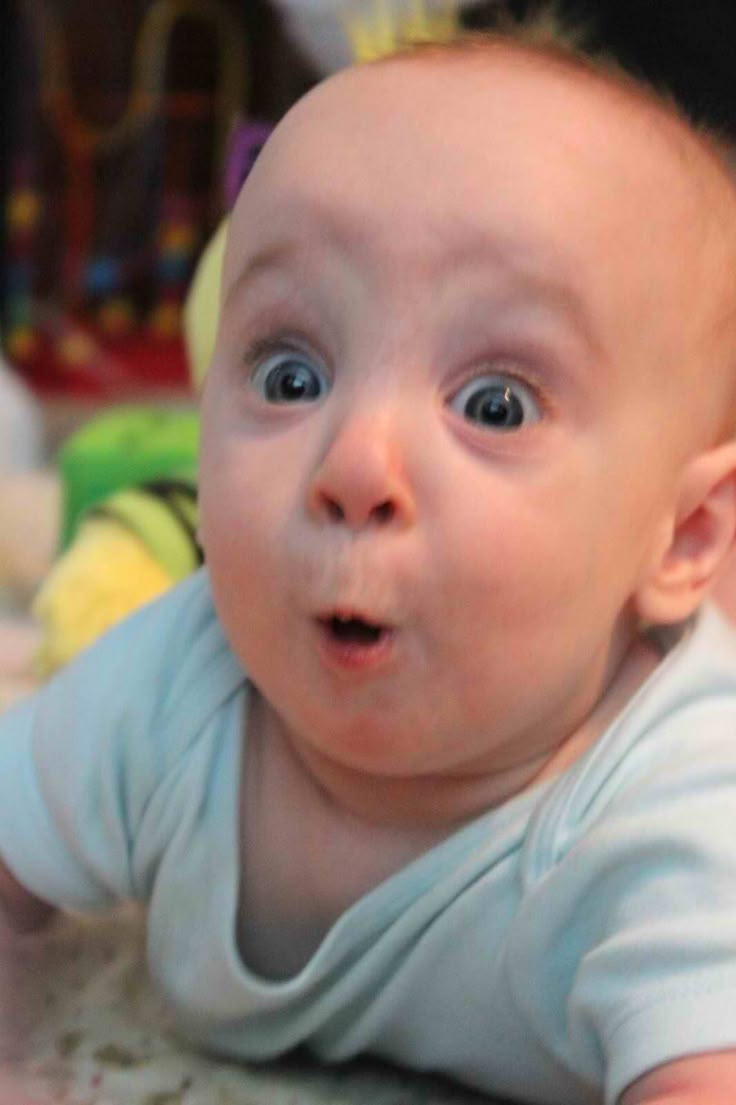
column 81, row 760
column 629, row 940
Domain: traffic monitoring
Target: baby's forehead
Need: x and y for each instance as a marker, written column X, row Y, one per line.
column 423, row 100
column 445, row 105
column 459, row 118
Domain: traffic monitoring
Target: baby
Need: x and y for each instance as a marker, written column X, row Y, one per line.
column 467, row 479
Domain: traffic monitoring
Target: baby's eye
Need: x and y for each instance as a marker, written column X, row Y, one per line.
column 289, row 377
column 500, row 403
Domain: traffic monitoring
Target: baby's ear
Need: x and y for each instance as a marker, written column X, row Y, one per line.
column 695, row 541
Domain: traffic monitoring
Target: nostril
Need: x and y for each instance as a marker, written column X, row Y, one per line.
column 384, row 512
column 380, row 513
column 355, row 512
column 334, row 510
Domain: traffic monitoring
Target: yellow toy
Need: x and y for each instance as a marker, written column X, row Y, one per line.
column 388, row 25
column 126, row 552
column 140, row 541
column 200, row 320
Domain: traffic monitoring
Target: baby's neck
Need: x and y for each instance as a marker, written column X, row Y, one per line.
column 431, row 802
column 436, row 804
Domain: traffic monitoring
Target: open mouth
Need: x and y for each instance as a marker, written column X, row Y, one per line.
column 353, row 630
column 353, row 643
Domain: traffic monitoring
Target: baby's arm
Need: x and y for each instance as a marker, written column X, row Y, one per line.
column 20, row 914
column 20, row 911
column 697, row 1080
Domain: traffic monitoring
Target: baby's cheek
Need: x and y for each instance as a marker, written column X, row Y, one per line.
column 518, row 579
column 232, row 494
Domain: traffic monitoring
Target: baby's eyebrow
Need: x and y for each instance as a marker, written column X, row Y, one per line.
column 528, row 268
column 272, row 257
column 333, row 230
column 533, row 272
column 564, row 298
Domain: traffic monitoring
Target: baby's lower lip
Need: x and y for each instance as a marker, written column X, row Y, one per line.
column 350, row 654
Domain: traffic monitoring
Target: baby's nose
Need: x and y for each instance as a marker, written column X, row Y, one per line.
column 361, row 479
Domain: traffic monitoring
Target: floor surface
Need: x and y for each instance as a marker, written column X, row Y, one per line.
column 104, row 1038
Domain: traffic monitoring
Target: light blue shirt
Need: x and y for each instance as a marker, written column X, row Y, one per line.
column 552, row 950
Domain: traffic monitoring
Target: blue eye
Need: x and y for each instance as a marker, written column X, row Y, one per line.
column 499, row 403
column 289, row 377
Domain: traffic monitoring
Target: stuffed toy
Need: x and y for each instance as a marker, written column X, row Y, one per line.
column 29, row 496
column 124, row 549
column 334, row 33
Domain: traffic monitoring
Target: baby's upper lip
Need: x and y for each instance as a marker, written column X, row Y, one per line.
column 353, row 613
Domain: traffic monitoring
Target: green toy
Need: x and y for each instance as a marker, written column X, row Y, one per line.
column 121, row 448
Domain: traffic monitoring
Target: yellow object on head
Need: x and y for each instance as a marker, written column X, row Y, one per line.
column 385, row 26
column 202, row 306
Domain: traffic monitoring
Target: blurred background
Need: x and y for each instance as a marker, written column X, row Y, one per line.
column 117, row 120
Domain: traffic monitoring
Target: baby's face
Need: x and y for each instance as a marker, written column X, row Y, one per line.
column 446, row 407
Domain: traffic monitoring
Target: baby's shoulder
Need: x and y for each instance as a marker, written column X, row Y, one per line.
column 671, row 752
column 691, row 697
column 182, row 669
column 146, row 689
column 195, row 662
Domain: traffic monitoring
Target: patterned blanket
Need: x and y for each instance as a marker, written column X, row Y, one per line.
column 103, row 1037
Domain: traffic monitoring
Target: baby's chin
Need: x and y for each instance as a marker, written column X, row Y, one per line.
column 365, row 746
column 388, row 776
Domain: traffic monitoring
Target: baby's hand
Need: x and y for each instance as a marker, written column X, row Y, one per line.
column 20, row 998
column 21, row 968
column 708, row 1079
